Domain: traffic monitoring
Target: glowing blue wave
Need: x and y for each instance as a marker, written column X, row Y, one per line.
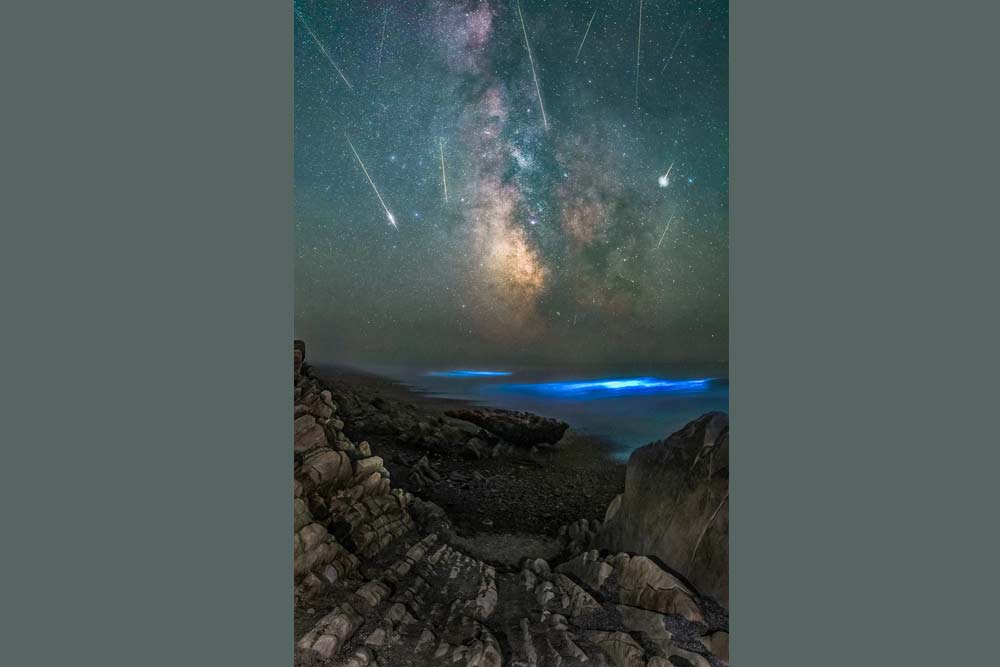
column 611, row 387
column 467, row 374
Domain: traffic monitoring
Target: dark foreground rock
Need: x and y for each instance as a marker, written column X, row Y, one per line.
column 676, row 505
column 381, row 579
column 518, row 428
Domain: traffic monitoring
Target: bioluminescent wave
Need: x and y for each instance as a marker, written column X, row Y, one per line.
column 467, row 374
column 610, row 387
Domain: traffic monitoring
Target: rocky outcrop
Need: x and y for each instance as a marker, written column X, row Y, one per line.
column 676, row 505
column 381, row 581
column 374, row 416
column 343, row 508
column 518, row 428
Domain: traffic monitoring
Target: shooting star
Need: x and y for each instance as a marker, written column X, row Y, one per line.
column 323, row 49
column 665, row 229
column 392, row 219
column 444, row 178
column 385, row 19
column 585, row 33
column 638, row 47
column 676, row 44
column 664, row 180
column 538, row 90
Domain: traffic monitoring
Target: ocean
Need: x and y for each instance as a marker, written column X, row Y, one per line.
column 625, row 408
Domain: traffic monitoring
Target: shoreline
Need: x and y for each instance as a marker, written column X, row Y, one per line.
column 522, row 498
column 437, row 404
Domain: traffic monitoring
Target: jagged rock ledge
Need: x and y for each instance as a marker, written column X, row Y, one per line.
column 379, row 583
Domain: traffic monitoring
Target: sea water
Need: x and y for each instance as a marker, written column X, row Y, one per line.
column 625, row 408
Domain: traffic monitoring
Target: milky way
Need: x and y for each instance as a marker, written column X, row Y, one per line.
column 526, row 191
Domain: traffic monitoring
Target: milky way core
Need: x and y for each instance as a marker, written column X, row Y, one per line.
column 522, row 148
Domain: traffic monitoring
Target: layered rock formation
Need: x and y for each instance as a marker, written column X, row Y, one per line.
column 519, row 428
column 676, row 505
column 380, row 580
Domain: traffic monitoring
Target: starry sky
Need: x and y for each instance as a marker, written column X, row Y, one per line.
column 585, row 225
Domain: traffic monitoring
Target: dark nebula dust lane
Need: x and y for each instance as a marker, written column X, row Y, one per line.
column 487, row 182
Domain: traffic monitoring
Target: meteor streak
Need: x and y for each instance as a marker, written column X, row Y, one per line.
column 585, row 33
column 665, row 229
column 638, row 47
column 538, row 90
column 676, row 44
column 323, row 49
column 664, row 180
column 392, row 220
column 385, row 19
column 444, row 178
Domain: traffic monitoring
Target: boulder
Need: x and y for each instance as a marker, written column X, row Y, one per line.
column 676, row 505
column 519, row 428
column 308, row 434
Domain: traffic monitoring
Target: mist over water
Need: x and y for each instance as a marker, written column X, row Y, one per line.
column 626, row 408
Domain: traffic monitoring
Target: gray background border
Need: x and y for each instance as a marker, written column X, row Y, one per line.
column 863, row 332
column 147, row 261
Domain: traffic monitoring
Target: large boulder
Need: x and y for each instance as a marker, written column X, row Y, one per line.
column 518, row 428
column 676, row 505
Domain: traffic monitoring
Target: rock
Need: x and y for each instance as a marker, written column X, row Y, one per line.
column 423, row 466
column 636, row 581
column 361, row 658
column 325, row 468
column 579, row 536
column 644, row 584
column 365, row 467
column 373, row 592
column 718, row 644
column 620, row 647
column 308, row 434
column 332, row 631
column 474, row 449
column 676, row 505
column 519, row 428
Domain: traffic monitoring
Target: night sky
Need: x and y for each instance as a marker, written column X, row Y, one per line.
column 553, row 247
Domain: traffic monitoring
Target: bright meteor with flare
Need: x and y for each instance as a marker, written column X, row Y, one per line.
column 664, row 180
column 392, row 219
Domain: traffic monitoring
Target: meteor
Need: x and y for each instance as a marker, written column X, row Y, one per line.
column 585, row 33
column 392, row 220
column 444, row 178
column 676, row 44
column 664, row 180
column 638, row 47
column 665, row 229
column 538, row 90
column 385, row 19
column 323, row 49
